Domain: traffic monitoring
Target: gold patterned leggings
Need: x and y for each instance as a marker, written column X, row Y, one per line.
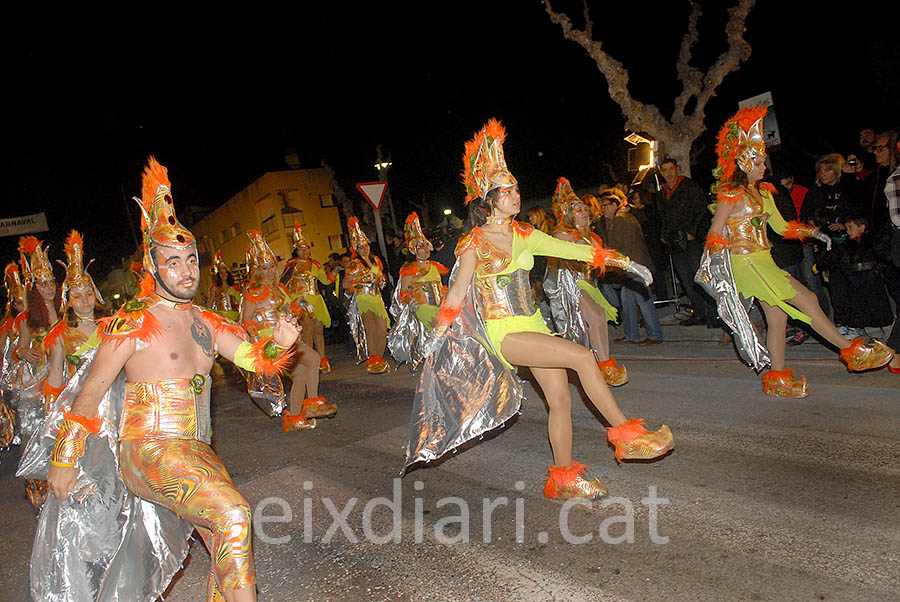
column 186, row 476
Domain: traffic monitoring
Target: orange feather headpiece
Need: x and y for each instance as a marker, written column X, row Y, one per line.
column 357, row 236
column 159, row 225
column 740, row 141
column 12, row 280
column 484, row 164
column 76, row 271
column 259, row 252
column 563, row 199
column 412, row 232
column 299, row 238
column 35, row 264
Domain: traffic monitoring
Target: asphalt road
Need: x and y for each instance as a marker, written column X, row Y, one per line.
column 762, row 498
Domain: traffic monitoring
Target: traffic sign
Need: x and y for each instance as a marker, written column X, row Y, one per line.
column 373, row 192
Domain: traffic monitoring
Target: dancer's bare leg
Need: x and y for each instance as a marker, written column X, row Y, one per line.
column 595, row 318
column 307, row 333
column 776, row 320
column 319, row 337
column 806, row 302
column 247, row 594
column 305, row 375
column 534, row 349
column 554, row 383
column 376, row 333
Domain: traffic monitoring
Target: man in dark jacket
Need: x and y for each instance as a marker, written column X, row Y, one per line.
column 685, row 222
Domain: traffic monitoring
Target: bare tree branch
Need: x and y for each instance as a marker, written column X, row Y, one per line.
column 588, row 23
column 637, row 115
column 691, row 77
column 730, row 60
column 681, row 130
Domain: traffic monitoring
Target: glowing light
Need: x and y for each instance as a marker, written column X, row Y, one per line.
column 448, row 212
column 116, row 296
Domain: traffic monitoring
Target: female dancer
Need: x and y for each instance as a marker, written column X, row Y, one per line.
column 264, row 300
column 745, row 204
column 365, row 278
column 585, row 306
column 301, row 277
column 37, row 335
column 79, row 298
column 494, row 259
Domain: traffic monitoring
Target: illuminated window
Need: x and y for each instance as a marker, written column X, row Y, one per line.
column 337, row 241
column 269, row 225
column 289, row 215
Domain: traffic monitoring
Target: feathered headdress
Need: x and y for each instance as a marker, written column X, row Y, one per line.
column 740, row 141
column 412, row 231
column 563, row 199
column 484, row 164
column 76, row 271
column 357, row 236
column 299, row 238
column 12, row 280
column 259, row 252
column 218, row 266
column 159, row 225
column 35, row 264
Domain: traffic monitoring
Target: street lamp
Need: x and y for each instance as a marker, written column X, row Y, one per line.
column 448, row 212
column 383, row 165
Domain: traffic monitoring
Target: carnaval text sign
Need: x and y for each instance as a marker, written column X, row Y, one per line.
column 13, row 226
column 770, row 123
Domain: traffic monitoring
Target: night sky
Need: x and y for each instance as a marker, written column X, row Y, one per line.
column 219, row 97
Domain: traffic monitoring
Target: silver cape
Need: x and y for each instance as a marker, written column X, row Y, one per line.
column 103, row 544
column 717, row 279
column 24, row 384
column 464, row 391
column 358, row 330
column 406, row 340
column 562, row 290
column 267, row 392
column 9, row 430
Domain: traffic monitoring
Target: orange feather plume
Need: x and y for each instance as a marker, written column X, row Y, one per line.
column 73, row 239
column 28, row 244
column 154, row 176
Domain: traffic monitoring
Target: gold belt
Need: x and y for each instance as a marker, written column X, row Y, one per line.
column 505, row 295
column 304, row 284
column 366, row 288
column 427, row 293
column 176, row 408
column 747, row 234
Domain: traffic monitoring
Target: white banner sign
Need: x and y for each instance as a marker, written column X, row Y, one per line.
column 12, row 226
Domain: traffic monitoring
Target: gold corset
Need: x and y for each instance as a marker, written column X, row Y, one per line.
column 747, row 232
column 427, row 292
column 177, row 408
column 221, row 301
column 505, row 295
column 303, row 283
column 266, row 313
column 488, row 258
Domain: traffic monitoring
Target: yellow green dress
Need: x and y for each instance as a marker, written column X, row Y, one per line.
column 501, row 281
column 755, row 272
column 425, row 289
column 367, row 283
column 304, row 285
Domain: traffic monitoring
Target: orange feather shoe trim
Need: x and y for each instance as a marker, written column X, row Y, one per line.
column 634, row 442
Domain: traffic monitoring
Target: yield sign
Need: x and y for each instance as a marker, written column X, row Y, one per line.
column 374, row 192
